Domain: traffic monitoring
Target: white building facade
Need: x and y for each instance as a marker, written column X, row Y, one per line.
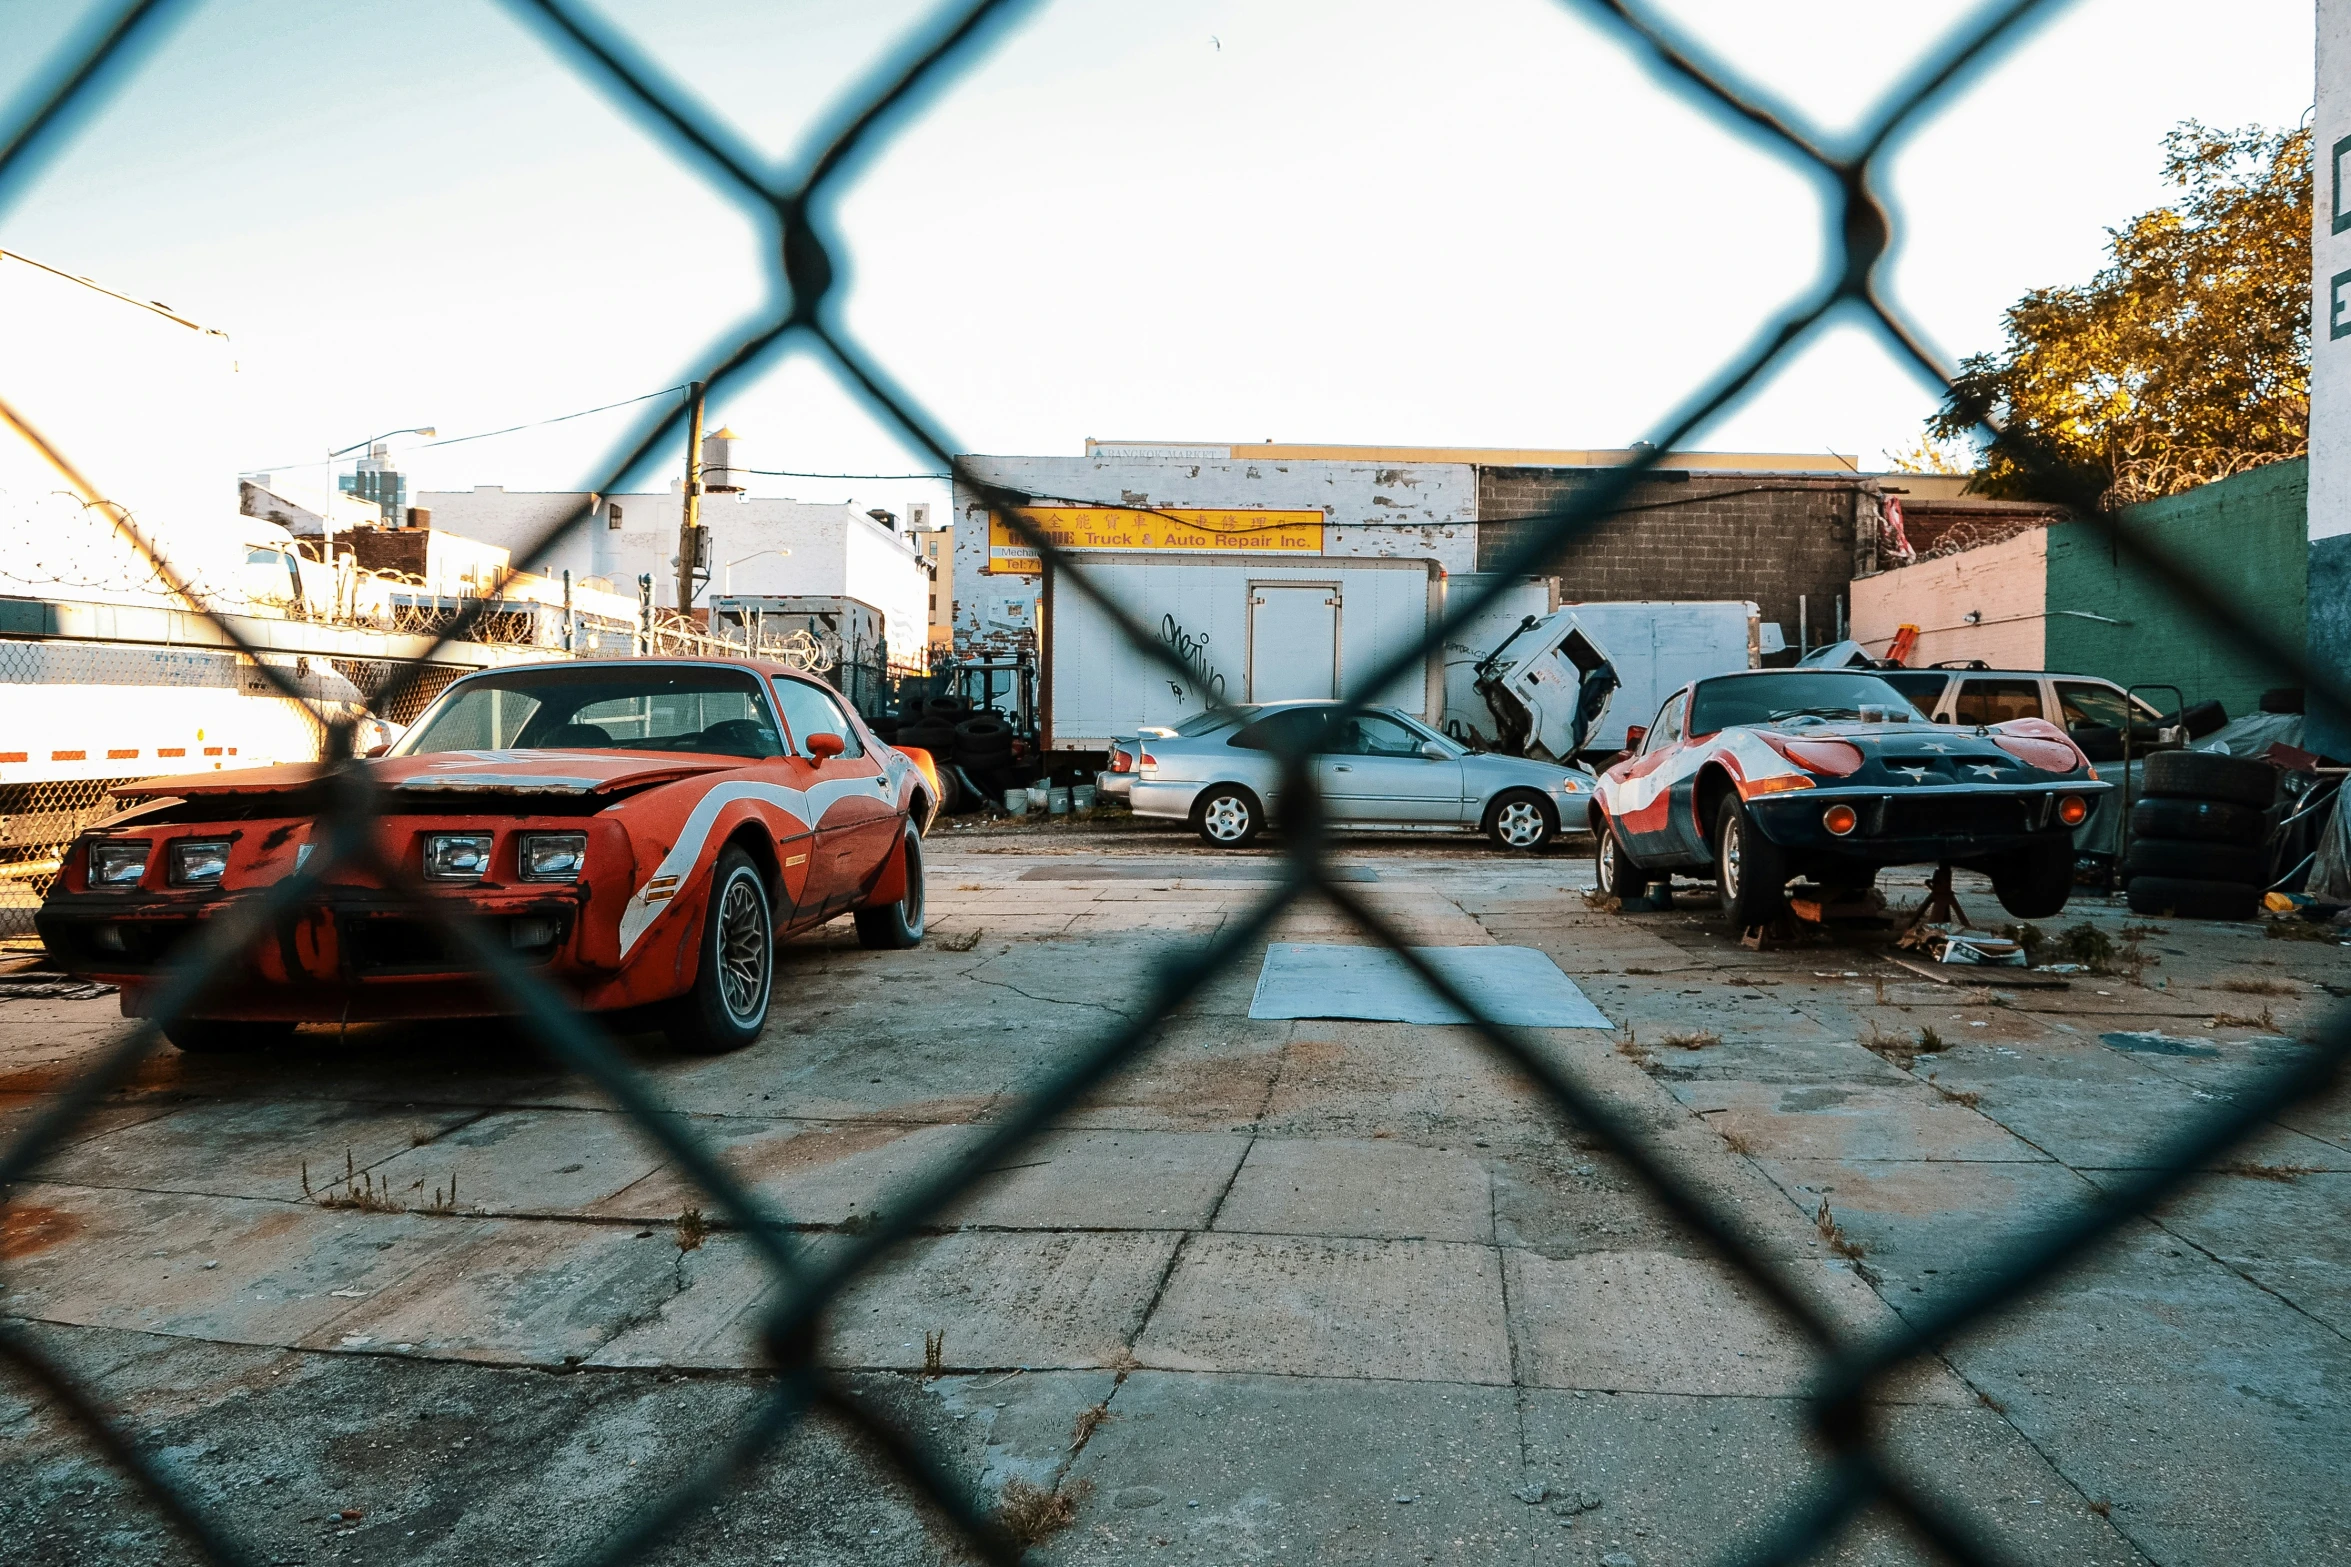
column 759, row 545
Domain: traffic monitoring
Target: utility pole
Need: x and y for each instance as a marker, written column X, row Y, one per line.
column 693, row 551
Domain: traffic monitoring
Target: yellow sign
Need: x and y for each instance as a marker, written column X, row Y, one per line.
column 1251, row 529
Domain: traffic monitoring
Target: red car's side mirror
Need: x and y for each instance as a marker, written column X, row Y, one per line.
column 1633, row 736
column 824, row 748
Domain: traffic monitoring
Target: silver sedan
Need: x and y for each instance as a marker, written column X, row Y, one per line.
column 1379, row 768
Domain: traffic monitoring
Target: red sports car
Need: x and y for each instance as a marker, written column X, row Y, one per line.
column 642, row 831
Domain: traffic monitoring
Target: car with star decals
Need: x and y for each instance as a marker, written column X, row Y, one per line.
column 639, row 833
column 1761, row 776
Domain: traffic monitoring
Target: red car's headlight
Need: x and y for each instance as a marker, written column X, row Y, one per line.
column 552, row 856
column 456, row 856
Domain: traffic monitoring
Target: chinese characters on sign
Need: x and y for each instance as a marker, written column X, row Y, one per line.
column 1119, row 528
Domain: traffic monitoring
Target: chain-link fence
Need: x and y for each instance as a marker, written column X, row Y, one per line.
column 794, row 211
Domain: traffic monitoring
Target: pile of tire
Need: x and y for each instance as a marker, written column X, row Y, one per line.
column 929, row 724
column 2200, row 836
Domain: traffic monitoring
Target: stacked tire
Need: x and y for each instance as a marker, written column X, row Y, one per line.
column 2200, row 836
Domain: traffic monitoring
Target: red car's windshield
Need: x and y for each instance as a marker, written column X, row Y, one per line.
column 709, row 712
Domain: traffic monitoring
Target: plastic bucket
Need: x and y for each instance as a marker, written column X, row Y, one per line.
column 1037, row 797
column 1081, row 797
column 1017, row 801
column 1057, row 802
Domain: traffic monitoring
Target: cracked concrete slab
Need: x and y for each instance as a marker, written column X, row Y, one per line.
column 1421, row 1311
column 1381, row 1190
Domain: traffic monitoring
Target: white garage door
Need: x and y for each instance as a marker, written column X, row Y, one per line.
column 1293, row 640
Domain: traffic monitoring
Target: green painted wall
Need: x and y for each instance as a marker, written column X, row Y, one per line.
column 2246, row 539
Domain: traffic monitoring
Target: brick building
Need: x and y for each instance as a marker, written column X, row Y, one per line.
column 1790, row 542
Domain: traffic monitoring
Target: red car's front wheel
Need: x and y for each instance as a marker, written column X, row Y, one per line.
column 727, row 1008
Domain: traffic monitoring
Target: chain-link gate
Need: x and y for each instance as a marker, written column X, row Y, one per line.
column 794, row 210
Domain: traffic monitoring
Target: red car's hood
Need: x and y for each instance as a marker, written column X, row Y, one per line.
column 460, row 772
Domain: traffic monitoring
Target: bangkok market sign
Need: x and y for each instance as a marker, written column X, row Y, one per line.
column 1184, row 530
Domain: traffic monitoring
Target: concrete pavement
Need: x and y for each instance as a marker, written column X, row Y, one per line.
column 1333, row 1291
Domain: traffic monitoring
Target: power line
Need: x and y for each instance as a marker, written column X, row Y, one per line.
column 792, row 473
column 459, row 440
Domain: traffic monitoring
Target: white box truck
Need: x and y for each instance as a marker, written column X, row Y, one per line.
column 1246, row 628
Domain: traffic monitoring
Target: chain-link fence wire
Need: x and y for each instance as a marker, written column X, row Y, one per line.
column 794, row 206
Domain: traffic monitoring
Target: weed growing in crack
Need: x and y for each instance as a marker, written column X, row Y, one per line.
column 693, row 1230
column 1896, row 1048
column 1930, row 1042
column 2264, row 1019
column 1628, row 1045
column 1965, row 1098
column 934, row 1352
column 1834, row 1237
column 2102, row 1507
column 1695, row 1039
column 2032, row 938
column 357, row 1190
column 1989, row 1402
column 2087, row 945
column 2285, row 1174
column 1032, row 1515
column 1088, row 1418
column 2257, row 986
column 1737, row 1143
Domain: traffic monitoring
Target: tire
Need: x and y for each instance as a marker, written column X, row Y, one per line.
column 2179, row 861
column 938, row 739
column 1749, row 868
column 734, row 979
column 2198, row 821
column 1614, row 871
column 215, row 1036
column 1521, row 821
column 948, row 710
column 1228, row 816
column 2208, row 775
column 2168, row 897
column 896, row 926
column 2033, row 884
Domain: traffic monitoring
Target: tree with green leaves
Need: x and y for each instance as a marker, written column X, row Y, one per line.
column 2186, row 359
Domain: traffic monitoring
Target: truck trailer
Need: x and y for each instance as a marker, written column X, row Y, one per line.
column 1243, row 628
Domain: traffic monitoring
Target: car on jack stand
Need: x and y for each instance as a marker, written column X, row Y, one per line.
column 1764, row 775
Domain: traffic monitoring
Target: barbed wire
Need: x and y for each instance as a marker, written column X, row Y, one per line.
column 792, row 204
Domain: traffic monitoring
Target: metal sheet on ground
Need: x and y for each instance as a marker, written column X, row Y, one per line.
column 1508, row 984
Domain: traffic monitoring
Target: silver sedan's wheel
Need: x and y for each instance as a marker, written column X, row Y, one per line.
column 1521, row 820
column 1228, row 817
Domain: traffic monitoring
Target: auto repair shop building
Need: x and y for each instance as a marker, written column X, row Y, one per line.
column 1285, row 570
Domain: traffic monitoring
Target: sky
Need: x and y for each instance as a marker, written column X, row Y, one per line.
column 1485, row 223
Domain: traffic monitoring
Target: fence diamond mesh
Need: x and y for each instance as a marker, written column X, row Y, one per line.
column 793, row 208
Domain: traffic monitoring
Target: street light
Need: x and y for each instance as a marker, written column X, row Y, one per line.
column 422, row 429
column 728, row 582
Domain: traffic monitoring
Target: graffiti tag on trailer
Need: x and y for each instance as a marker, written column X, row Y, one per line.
column 1193, row 651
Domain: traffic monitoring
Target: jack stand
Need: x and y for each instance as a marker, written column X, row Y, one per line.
column 1940, row 906
column 1781, row 932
